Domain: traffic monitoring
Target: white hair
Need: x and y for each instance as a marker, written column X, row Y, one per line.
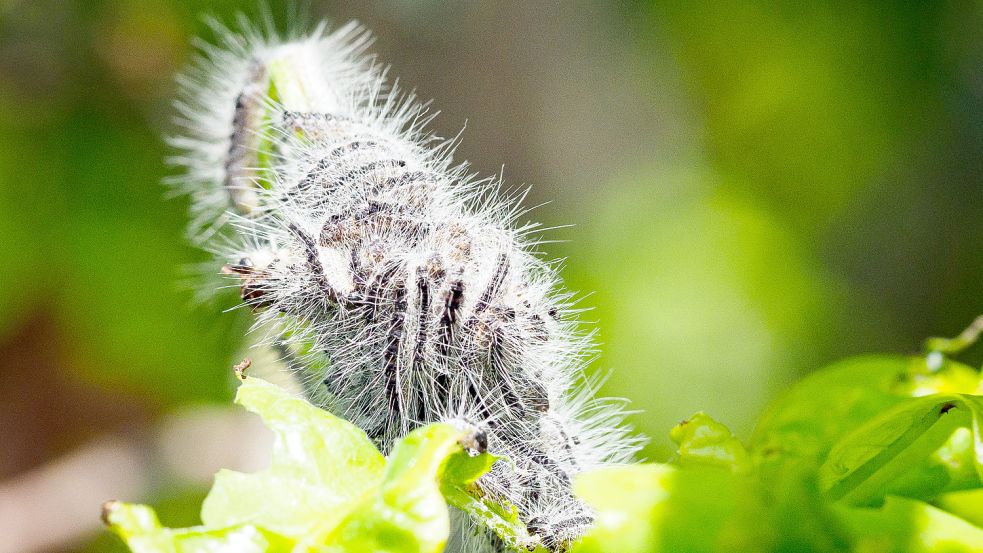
column 397, row 284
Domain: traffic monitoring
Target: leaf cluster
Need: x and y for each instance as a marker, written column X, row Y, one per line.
column 871, row 454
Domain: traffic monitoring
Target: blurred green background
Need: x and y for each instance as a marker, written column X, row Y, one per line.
column 755, row 189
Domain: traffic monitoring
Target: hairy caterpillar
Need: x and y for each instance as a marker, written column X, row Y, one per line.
column 396, row 283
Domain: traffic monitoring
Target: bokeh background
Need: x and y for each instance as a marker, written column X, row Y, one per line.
column 755, row 190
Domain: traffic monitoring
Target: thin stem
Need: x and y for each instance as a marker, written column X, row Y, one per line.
column 952, row 346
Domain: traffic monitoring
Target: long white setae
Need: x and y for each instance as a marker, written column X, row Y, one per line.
column 396, row 284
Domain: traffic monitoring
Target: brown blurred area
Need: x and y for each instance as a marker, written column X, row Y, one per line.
column 60, row 412
column 756, row 189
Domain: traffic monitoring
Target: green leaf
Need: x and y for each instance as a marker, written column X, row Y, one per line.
column 966, row 504
column 654, row 508
column 865, row 465
column 628, row 502
column 321, row 465
column 704, row 441
column 937, row 374
column 459, row 490
column 407, row 513
column 910, row 526
column 805, row 422
column 139, row 527
column 328, row 489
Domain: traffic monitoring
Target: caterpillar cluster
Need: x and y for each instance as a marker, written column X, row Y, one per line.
column 395, row 282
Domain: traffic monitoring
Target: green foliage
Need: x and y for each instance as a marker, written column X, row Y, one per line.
column 327, row 489
column 872, row 454
column 869, row 454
